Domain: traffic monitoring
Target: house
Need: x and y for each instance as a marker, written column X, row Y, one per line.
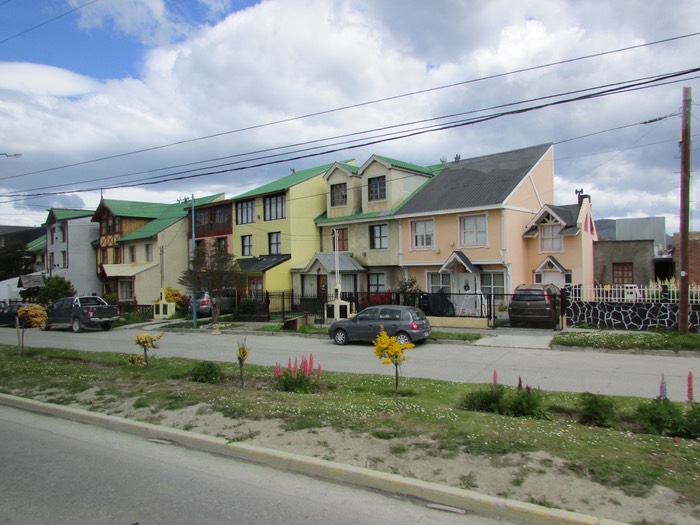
column 632, row 251
column 274, row 228
column 142, row 247
column 359, row 223
column 69, row 251
column 693, row 256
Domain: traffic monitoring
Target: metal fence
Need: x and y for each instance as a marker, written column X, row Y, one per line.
column 627, row 293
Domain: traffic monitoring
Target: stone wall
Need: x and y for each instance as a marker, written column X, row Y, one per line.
column 629, row 316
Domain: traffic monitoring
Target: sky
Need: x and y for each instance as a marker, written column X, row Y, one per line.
column 158, row 100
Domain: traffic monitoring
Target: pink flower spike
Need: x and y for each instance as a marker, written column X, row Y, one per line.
column 296, row 367
column 495, row 377
column 289, row 364
column 311, row 362
column 691, row 387
column 520, row 383
column 318, row 373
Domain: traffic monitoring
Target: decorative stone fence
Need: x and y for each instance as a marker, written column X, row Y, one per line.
column 630, row 315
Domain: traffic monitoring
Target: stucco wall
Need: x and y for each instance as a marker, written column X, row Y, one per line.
column 639, row 253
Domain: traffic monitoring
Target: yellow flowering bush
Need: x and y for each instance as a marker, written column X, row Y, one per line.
column 391, row 352
column 243, row 353
column 147, row 342
column 31, row 316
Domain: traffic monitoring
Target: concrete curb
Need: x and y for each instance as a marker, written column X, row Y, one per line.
column 468, row 500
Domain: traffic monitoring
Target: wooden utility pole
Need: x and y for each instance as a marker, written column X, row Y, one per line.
column 683, row 258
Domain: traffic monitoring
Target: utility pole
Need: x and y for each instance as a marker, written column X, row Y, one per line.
column 194, row 272
column 683, row 309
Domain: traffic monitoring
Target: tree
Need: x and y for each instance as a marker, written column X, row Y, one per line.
column 32, row 316
column 54, row 288
column 214, row 270
column 15, row 260
column 391, row 352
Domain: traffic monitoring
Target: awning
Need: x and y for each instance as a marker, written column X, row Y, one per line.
column 261, row 264
column 31, row 280
column 550, row 264
column 326, row 260
column 459, row 257
column 126, row 270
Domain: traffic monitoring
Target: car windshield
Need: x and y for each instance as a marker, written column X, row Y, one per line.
column 418, row 314
column 529, row 295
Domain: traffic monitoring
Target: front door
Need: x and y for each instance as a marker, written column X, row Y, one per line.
column 255, row 287
column 322, row 287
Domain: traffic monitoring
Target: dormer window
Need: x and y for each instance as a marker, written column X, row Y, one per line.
column 550, row 240
column 339, row 194
column 376, row 187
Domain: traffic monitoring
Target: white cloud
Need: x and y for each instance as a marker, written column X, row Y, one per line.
column 41, row 80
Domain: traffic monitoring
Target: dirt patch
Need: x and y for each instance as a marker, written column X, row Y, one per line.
column 531, row 477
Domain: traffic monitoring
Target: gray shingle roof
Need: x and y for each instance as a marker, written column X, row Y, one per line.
column 262, row 263
column 477, row 182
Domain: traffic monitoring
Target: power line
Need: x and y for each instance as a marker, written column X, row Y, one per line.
column 357, row 105
column 24, row 32
column 377, row 138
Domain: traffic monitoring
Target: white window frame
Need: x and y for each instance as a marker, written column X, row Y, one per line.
column 126, row 289
column 149, row 252
column 550, row 240
column 423, row 234
column 470, row 234
column 376, row 282
column 439, row 281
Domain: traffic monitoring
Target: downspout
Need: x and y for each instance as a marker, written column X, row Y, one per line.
column 504, row 252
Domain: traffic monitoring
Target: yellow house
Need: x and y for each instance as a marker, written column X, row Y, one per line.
column 274, row 228
column 358, row 224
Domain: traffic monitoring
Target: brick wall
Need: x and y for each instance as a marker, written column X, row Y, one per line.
column 693, row 256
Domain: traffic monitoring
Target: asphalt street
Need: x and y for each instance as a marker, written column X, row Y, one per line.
column 513, row 355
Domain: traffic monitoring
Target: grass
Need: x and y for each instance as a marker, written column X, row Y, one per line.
column 612, row 340
column 365, row 403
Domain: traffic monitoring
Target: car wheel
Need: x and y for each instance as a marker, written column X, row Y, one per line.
column 340, row 337
column 106, row 326
column 76, row 325
column 403, row 338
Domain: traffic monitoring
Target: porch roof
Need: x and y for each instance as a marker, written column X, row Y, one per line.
column 346, row 264
column 458, row 256
column 262, row 263
column 126, row 270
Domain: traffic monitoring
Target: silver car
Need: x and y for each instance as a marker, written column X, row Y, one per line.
column 407, row 323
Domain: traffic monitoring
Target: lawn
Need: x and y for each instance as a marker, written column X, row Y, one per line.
column 621, row 456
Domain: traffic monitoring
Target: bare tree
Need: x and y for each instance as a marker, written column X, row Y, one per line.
column 215, row 271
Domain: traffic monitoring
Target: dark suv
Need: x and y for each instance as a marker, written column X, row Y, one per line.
column 535, row 303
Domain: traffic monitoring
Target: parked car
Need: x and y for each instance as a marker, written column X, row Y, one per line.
column 80, row 312
column 535, row 303
column 407, row 323
column 204, row 303
column 9, row 313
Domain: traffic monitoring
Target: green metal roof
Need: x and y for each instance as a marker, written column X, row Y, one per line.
column 145, row 210
column 428, row 170
column 286, row 182
column 65, row 214
column 37, row 245
column 171, row 214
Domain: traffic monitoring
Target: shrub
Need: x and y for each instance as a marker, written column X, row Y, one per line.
column 207, row 372
column 597, row 410
column 692, row 421
column 490, row 399
column 527, row 402
column 661, row 417
column 248, row 307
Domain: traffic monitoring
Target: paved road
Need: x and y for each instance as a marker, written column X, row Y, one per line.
column 59, row 471
column 568, row 371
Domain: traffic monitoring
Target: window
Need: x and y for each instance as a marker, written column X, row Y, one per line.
column 50, row 260
column 149, row 252
column 339, row 194
column 117, row 255
column 246, row 245
column 341, row 235
column 62, row 231
column 117, row 224
column 275, row 207
column 104, row 256
column 132, row 254
column 550, row 240
column 221, row 215
column 622, row 273
column 376, row 187
column 64, row 259
column 110, row 224
column 245, row 212
column 53, row 234
column 222, row 244
column 473, row 230
column 275, row 242
column 201, row 216
column 126, row 290
column 379, row 237
column 375, row 282
column 493, row 284
column 422, row 234
column 440, row 281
